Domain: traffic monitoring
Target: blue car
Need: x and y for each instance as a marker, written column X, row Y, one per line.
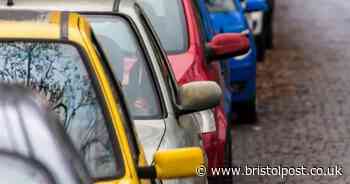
column 220, row 16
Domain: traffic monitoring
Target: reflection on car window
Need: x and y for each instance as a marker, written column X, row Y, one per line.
column 128, row 65
column 168, row 19
column 220, row 5
column 57, row 71
column 14, row 170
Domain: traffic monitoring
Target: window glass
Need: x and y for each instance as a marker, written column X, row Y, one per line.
column 128, row 64
column 16, row 171
column 168, row 19
column 161, row 57
column 206, row 22
column 201, row 27
column 220, row 5
column 57, row 71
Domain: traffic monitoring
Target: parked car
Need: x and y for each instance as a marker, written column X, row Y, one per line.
column 192, row 59
column 34, row 147
column 60, row 59
column 228, row 17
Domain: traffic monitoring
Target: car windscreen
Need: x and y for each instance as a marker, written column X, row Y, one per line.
column 128, row 64
column 216, row 6
column 58, row 72
column 17, row 170
column 168, row 19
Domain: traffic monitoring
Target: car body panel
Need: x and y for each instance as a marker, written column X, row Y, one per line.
column 182, row 65
column 63, row 5
column 223, row 24
column 155, row 130
column 152, row 133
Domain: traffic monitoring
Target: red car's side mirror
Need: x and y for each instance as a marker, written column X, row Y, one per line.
column 227, row 45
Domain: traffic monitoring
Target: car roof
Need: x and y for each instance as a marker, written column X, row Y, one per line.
column 27, row 129
column 69, row 5
column 126, row 7
column 29, row 24
column 15, row 24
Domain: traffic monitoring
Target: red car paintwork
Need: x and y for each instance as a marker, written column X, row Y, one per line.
column 192, row 66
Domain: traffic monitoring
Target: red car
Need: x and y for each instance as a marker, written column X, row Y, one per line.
column 194, row 59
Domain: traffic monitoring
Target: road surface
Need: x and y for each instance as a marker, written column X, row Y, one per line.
column 303, row 95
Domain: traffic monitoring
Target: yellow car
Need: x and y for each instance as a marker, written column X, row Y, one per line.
column 55, row 53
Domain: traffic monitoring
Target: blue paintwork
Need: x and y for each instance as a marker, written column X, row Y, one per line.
column 256, row 5
column 236, row 70
column 225, row 22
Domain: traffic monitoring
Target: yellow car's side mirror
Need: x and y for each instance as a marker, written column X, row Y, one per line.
column 175, row 163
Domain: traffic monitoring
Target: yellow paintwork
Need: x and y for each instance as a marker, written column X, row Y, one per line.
column 32, row 29
column 79, row 32
column 29, row 30
column 179, row 162
column 168, row 164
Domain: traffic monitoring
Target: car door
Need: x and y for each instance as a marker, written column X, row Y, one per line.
column 186, row 126
column 147, row 100
column 128, row 62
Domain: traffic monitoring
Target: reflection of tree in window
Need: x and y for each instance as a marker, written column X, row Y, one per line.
column 57, row 72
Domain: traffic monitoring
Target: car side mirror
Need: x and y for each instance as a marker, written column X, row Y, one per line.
column 256, row 5
column 198, row 96
column 227, row 45
column 175, row 163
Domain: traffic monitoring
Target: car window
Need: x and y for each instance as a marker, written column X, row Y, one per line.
column 57, row 71
column 168, row 19
column 220, row 5
column 128, row 64
column 161, row 56
column 201, row 26
column 205, row 16
column 15, row 170
column 206, row 27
